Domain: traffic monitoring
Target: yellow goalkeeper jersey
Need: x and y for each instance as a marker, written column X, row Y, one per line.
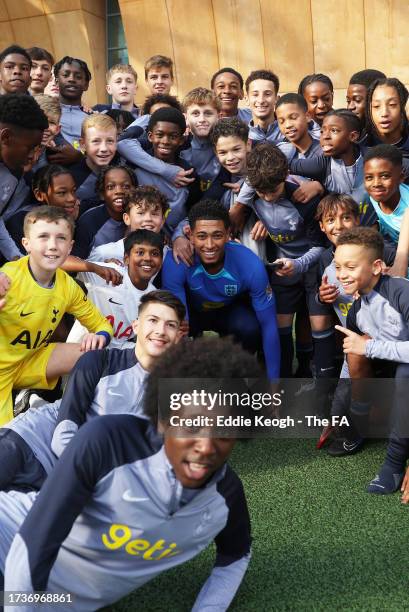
column 32, row 312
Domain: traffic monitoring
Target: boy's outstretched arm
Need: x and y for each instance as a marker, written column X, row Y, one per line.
column 313, row 168
column 76, row 264
column 77, row 399
column 263, row 302
column 61, row 499
column 8, row 247
column 88, row 314
column 400, row 265
column 131, row 149
column 233, row 551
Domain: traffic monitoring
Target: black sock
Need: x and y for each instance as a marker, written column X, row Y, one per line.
column 397, row 453
column 324, row 353
column 287, row 351
column 304, row 352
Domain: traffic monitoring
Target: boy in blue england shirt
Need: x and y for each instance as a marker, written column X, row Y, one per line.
column 217, row 287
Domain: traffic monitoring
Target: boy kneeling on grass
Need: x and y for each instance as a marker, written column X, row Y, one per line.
column 119, row 507
column 376, row 335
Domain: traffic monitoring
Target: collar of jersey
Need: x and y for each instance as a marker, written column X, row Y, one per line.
column 367, row 297
column 222, row 274
column 200, row 143
column 49, row 286
column 270, row 129
column 402, row 204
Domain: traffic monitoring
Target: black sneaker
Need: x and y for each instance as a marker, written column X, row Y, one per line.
column 343, row 446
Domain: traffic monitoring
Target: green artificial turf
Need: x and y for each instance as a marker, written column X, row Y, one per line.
column 320, row 541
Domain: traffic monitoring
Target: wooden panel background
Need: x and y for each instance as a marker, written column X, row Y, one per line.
column 336, row 37
column 64, row 27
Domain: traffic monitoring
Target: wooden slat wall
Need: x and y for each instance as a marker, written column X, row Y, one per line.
column 64, row 27
column 337, row 37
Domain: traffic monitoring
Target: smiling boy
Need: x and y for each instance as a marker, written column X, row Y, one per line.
column 121, row 85
column 377, row 334
column 201, row 108
column 98, row 142
column 217, row 286
column 104, row 223
column 159, row 74
column 41, row 69
column 383, row 176
column 15, row 67
column 22, row 124
column 26, row 441
column 143, row 253
column 294, row 122
column 73, row 77
column 144, row 208
column 261, row 94
column 39, row 295
column 134, row 501
column 227, row 85
column 166, row 134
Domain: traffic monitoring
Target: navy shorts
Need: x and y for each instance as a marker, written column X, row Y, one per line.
column 20, row 469
column 290, row 298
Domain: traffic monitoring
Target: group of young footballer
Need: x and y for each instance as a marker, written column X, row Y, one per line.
column 280, row 223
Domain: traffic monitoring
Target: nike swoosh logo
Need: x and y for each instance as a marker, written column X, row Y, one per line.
column 113, row 302
column 196, row 288
column 127, row 496
column 25, row 314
